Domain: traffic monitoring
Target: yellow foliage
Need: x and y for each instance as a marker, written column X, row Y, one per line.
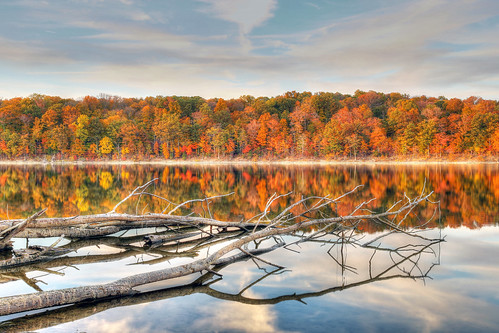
column 106, row 146
column 105, row 180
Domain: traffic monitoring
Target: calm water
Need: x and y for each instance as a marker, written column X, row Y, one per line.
column 313, row 292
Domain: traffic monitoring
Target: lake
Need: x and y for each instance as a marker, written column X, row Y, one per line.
column 324, row 286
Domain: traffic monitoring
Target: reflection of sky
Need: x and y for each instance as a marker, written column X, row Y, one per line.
column 462, row 296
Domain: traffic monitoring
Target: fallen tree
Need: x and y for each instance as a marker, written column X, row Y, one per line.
column 296, row 220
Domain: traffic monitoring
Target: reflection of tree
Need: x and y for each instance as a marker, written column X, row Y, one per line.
column 467, row 193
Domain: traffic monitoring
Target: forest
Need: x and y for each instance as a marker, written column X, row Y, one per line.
column 297, row 125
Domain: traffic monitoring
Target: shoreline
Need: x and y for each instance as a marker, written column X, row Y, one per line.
column 242, row 162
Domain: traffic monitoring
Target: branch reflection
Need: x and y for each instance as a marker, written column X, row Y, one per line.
column 414, row 259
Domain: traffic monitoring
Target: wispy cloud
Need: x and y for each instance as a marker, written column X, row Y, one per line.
column 314, row 5
column 245, row 14
column 399, row 41
column 23, row 53
column 203, row 46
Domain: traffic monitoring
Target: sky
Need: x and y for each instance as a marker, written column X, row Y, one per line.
column 230, row 48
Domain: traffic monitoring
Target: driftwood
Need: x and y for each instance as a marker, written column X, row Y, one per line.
column 293, row 220
column 99, row 225
column 107, row 224
column 14, row 268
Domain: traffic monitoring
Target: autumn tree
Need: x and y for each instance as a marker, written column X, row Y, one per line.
column 304, row 123
column 82, row 128
column 495, row 142
column 325, row 105
column 427, row 130
column 218, row 138
column 400, row 116
column 409, row 139
column 379, row 143
column 106, row 146
column 292, row 124
column 221, row 114
column 332, row 143
column 167, row 130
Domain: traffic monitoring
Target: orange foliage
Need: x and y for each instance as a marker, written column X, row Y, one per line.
column 294, row 124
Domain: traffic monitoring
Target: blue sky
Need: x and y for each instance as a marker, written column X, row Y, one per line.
column 229, row 48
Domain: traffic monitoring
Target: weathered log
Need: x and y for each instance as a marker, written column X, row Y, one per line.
column 122, row 287
column 155, row 239
column 70, row 232
column 121, row 241
column 107, row 224
column 32, row 255
column 285, row 223
column 68, row 261
column 165, row 252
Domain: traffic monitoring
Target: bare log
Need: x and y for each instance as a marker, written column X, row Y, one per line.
column 158, row 239
column 67, row 261
column 107, row 224
column 34, row 254
column 70, row 232
column 288, row 222
column 122, row 287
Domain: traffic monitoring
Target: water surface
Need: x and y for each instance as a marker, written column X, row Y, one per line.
column 458, row 290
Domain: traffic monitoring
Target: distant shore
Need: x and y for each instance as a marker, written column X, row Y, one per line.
column 283, row 162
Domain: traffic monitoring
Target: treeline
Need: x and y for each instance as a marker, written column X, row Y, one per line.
column 293, row 125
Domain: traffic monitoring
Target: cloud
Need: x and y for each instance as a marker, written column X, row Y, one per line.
column 237, row 317
column 399, row 41
column 34, row 54
column 431, row 47
column 246, row 14
column 313, row 5
column 174, row 79
column 140, row 16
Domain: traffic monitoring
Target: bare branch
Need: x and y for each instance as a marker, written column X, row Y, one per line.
column 134, row 192
column 198, row 200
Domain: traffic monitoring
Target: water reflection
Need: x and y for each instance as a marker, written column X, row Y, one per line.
column 314, row 293
column 461, row 297
column 469, row 195
column 250, row 292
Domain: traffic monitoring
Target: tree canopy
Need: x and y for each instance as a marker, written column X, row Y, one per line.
column 292, row 125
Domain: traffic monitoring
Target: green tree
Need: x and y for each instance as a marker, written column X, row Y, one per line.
column 82, row 132
column 427, row 131
column 408, row 140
